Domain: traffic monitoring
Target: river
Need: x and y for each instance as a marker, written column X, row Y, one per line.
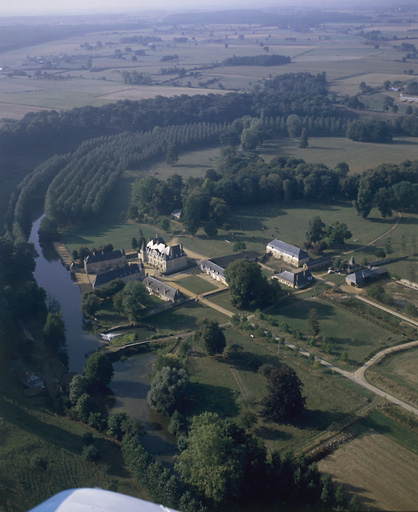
column 129, row 384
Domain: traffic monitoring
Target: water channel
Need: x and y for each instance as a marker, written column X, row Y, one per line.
column 129, row 383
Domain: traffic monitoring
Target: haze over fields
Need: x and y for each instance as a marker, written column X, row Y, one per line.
column 43, row 7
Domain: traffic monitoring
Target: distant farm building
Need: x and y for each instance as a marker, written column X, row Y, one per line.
column 288, row 253
column 168, row 258
column 365, row 277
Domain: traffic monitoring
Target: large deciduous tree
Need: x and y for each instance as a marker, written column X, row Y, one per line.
column 313, row 323
column 211, row 337
column 338, row 233
column 220, row 460
column 284, row 401
column 168, row 390
column 315, row 231
column 248, row 287
column 135, row 299
column 98, row 370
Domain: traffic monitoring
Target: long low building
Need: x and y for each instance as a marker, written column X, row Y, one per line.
column 215, row 267
column 131, row 272
column 161, row 290
column 288, row 253
column 366, row 276
column 103, row 261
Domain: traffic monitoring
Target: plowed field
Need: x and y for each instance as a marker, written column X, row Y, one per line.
column 383, row 474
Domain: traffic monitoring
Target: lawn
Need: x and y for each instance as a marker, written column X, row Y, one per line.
column 288, row 221
column 196, row 284
column 224, row 300
column 185, row 318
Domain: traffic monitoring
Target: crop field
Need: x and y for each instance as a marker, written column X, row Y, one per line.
column 96, row 73
column 333, row 150
column 377, row 469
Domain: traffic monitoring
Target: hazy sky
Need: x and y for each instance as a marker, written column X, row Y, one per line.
column 31, row 7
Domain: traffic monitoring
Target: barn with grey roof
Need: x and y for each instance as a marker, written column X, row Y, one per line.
column 288, row 253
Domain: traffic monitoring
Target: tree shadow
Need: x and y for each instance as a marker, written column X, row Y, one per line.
column 247, row 361
column 207, row 397
column 316, row 419
column 272, row 434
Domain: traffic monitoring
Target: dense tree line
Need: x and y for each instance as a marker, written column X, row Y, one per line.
column 293, row 93
column 388, row 187
column 221, row 465
column 370, row 131
column 242, row 179
column 257, row 60
column 80, row 189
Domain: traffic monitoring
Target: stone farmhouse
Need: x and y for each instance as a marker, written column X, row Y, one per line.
column 161, row 290
column 215, row 267
column 131, row 272
column 288, row 253
column 298, row 280
column 168, row 258
column 103, row 261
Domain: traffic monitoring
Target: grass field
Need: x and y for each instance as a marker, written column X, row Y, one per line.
column 329, row 402
column 397, row 374
column 185, row 318
column 31, row 433
column 333, row 150
column 346, row 332
column 258, row 225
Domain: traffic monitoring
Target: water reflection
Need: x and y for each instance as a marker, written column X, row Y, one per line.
column 130, row 385
column 56, row 280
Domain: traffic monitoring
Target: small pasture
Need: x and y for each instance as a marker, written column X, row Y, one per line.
column 344, row 331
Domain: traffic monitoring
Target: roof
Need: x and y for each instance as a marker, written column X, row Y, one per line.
column 285, row 248
column 169, row 251
column 117, row 273
column 298, row 279
column 104, row 256
column 161, row 288
column 211, row 265
column 361, row 277
column 219, row 264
